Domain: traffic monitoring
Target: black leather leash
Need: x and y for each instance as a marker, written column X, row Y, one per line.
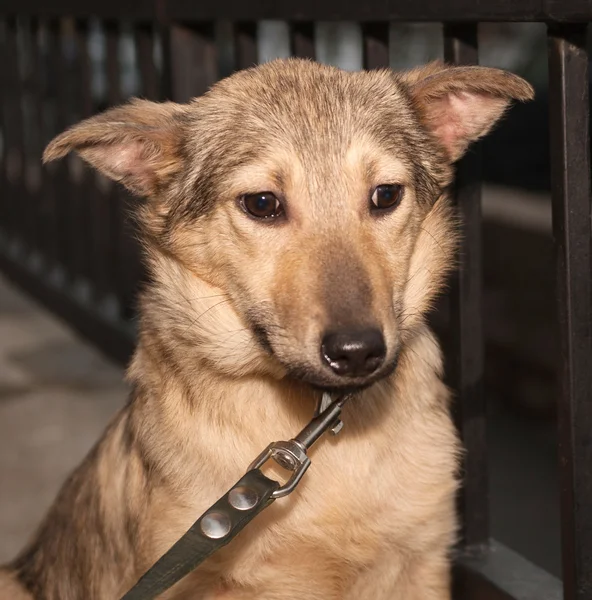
column 239, row 506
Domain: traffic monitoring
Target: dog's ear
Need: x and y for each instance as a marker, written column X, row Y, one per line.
column 136, row 144
column 461, row 104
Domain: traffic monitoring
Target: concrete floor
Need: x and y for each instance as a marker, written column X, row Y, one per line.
column 57, row 393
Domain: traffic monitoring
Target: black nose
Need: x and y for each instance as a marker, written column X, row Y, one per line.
column 353, row 353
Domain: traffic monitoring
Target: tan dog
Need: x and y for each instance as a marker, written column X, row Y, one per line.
column 297, row 228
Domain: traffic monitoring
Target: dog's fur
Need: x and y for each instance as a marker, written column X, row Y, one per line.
column 228, row 354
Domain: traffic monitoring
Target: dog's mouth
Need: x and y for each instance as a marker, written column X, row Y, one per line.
column 319, row 379
column 320, row 376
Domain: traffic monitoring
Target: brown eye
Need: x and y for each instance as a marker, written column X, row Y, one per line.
column 262, row 205
column 386, row 196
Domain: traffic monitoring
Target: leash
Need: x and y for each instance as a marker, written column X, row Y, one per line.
column 240, row 505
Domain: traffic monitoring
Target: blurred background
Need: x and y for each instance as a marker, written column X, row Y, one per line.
column 58, row 388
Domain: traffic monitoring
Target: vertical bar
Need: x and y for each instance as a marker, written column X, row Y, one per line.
column 149, row 80
column 14, row 135
column 570, row 183
column 111, row 29
column 34, row 172
column 67, row 235
column 376, row 45
column 56, row 172
column 4, row 200
column 466, row 353
column 245, row 45
column 46, row 205
column 302, row 39
column 85, row 103
column 193, row 60
column 29, row 129
column 80, row 195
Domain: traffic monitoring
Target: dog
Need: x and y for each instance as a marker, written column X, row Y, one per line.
column 297, row 227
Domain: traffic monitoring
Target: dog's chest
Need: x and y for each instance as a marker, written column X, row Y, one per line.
column 357, row 494
column 362, row 498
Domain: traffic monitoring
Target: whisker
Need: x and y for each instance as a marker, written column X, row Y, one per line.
column 208, row 297
column 232, row 334
column 418, row 272
column 433, row 238
column 204, row 313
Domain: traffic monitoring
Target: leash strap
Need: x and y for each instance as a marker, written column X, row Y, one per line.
column 213, row 530
column 240, row 505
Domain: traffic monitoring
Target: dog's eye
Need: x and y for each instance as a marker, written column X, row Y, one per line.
column 262, row 205
column 386, row 196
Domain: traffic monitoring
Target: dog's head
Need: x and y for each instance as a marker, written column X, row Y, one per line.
column 296, row 219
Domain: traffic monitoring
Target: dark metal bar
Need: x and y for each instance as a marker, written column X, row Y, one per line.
column 4, row 83
column 84, row 102
column 302, row 39
column 81, row 180
column 47, row 229
column 106, row 9
column 55, row 173
column 308, row 10
column 245, row 45
column 66, row 234
column 29, row 128
column 376, row 45
column 570, row 183
column 466, row 351
column 36, row 177
column 193, row 60
column 377, row 10
column 14, row 141
column 111, row 29
column 150, row 83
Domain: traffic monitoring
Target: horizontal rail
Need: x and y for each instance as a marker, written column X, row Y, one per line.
column 550, row 11
column 501, row 574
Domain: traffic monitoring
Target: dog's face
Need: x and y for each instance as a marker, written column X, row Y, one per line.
column 296, row 220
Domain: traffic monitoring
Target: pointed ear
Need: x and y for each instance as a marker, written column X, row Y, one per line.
column 461, row 104
column 136, row 144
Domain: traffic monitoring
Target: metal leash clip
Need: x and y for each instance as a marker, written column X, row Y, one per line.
column 291, row 455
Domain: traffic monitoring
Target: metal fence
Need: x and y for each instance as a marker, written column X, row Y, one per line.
column 64, row 235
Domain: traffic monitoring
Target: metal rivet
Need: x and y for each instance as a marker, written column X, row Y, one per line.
column 285, row 460
column 215, row 525
column 243, row 497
